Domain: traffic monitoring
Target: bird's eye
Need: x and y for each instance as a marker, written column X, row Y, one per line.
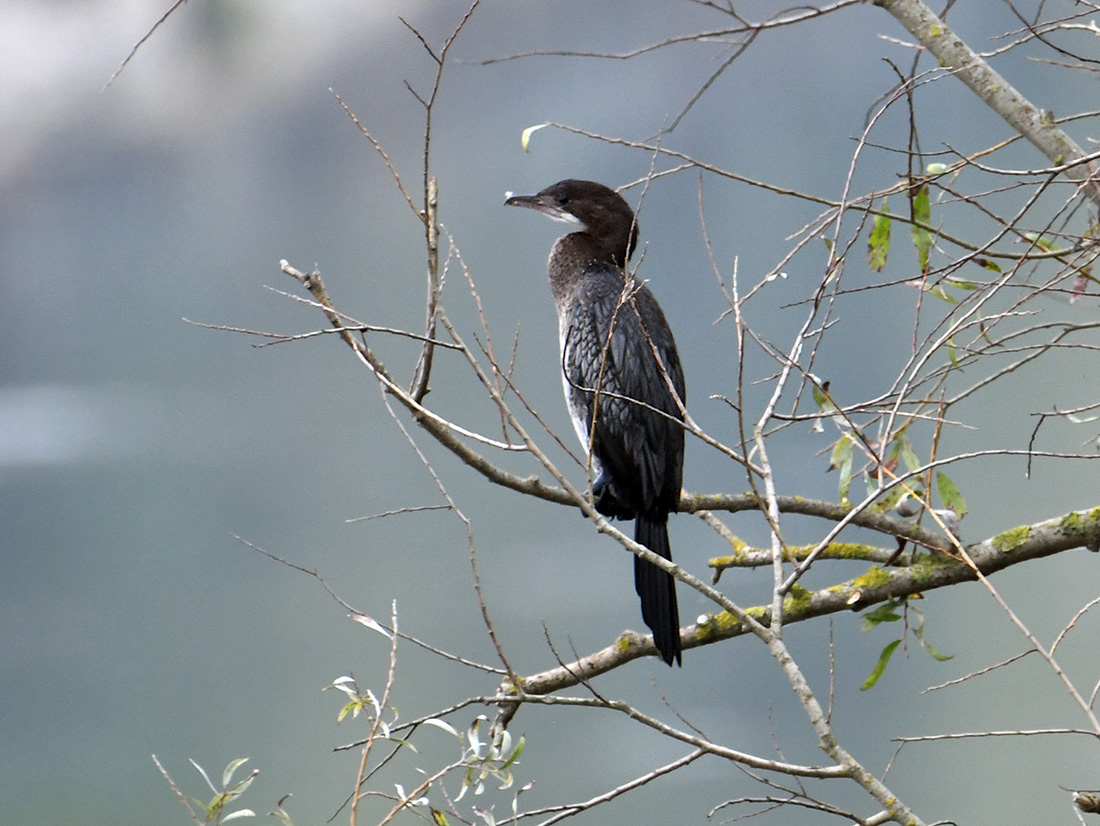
column 563, row 200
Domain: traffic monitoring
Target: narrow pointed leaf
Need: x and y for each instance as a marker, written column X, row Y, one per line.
column 514, row 756
column 887, row 502
column 878, row 248
column 525, row 138
column 205, row 776
column 949, row 494
column 227, row 775
column 373, row 624
column 504, row 745
column 280, row 812
column 941, row 293
column 1081, row 283
column 473, row 738
column 927, row 646
column 841, row 459
column 884, row 613
column 1044, row 244
column 880, row 666
column 442, row 724
column 921, row 213
column 908, row 455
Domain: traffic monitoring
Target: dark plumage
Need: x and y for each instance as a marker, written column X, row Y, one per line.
column 607, row 353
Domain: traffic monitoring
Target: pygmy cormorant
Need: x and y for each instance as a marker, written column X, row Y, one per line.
column 620, row 400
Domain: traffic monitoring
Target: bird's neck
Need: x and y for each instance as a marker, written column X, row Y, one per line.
column 572, row 257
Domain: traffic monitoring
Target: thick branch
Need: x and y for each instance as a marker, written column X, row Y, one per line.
column 1076, row 529
column 441, row 430
column 891, row 526
column 1035, row 124
column 419, row 387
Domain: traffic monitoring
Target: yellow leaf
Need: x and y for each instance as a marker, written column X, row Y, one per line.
column 525, row 138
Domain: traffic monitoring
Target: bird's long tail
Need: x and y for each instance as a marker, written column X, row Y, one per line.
column 657, row 588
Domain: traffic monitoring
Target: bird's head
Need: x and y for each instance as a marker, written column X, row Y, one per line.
column 594, row 209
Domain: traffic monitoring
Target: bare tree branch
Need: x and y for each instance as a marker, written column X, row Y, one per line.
column 1034, row 123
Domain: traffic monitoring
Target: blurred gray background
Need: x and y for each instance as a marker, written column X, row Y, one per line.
column 134, row 446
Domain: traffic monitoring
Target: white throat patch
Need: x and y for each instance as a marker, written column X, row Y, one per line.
column 567, row 218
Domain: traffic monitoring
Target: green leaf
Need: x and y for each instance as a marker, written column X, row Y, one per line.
column 879, row 245
column 242, row 787
column 884, row 613
column 216, row 804
column 927, row 646
column 887, row 502
column 989, row 265
column 227, row 775
column 941, row 293
column 949, row 494
column 880, row 666
column 825, row 405
column 1042, row 243
column 514, row 756
column 921, row 213
column 908, row 455
column 280, row 812
column 351, row 708
column 842, row 460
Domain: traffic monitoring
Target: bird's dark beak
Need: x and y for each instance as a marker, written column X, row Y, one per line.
column 544, row 204
column 531, row 201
